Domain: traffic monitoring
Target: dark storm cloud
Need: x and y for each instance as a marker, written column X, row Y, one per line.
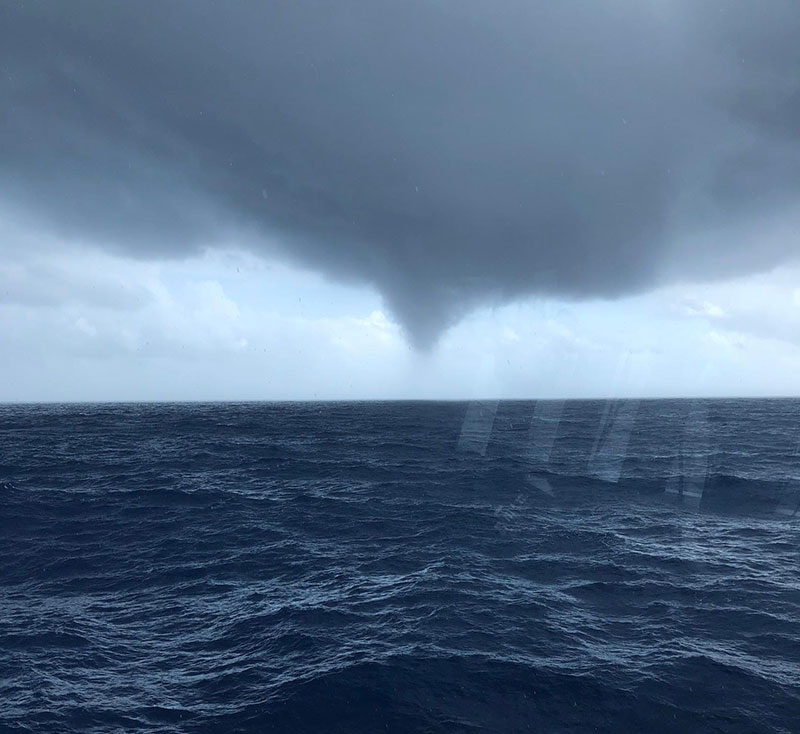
column 448, row 152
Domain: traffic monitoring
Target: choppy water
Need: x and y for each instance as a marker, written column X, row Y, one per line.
column 402, row 567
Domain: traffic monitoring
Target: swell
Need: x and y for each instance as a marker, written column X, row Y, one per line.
column 350, row 568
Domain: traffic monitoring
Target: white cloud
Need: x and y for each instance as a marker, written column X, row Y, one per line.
column 702, row 308
column 83, row 326
column 765, row 306
column 509, row 335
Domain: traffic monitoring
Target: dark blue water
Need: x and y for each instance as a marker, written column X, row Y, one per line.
column 401, row 567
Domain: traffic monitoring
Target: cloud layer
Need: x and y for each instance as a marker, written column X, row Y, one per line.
column 449, row 153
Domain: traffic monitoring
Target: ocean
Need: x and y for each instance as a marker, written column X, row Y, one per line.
column 578, row 566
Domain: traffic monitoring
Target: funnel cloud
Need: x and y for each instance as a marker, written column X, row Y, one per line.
column 448, row 153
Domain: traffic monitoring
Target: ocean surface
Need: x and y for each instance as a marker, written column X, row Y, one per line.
column 586, row 566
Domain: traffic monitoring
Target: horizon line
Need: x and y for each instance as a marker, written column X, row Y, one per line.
column 273, row 401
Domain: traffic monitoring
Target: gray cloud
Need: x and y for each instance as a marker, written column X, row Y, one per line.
column 450, row 153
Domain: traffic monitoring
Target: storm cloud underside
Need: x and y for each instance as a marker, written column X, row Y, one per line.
column 450, row 154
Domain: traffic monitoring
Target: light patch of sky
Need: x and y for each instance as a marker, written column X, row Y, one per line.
column 84, row 325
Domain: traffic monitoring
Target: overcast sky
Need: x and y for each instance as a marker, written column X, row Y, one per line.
column 439, row 199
